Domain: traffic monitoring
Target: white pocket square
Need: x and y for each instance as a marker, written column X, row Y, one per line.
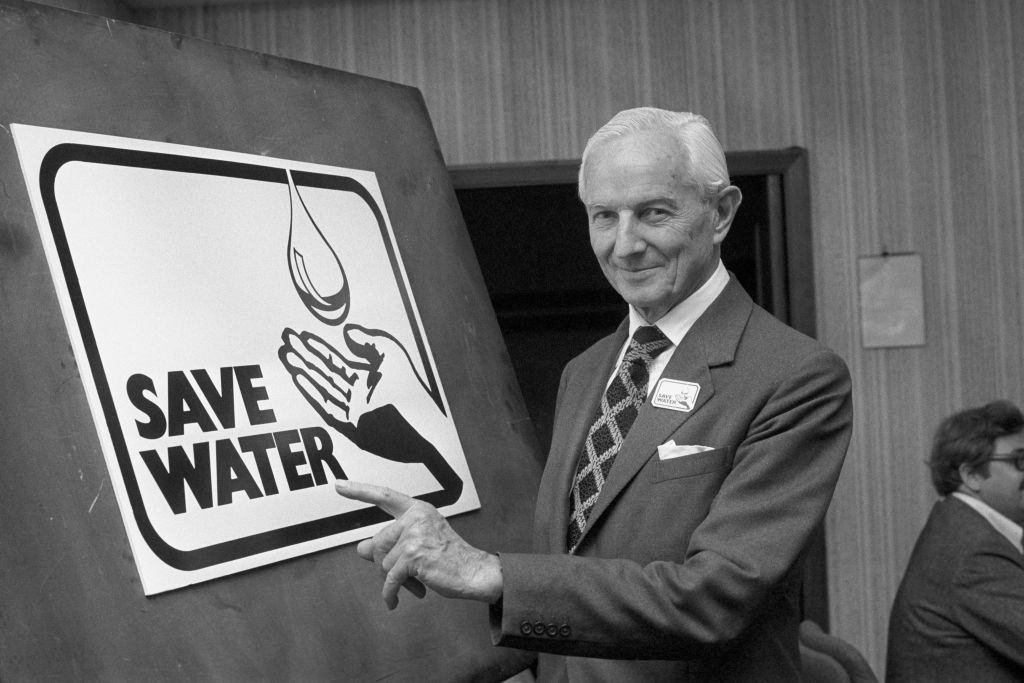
column 669, row 450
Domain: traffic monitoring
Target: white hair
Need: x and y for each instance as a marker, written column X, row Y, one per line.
column 705, row 162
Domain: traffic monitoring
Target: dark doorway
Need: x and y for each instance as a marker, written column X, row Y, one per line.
column 529, row 231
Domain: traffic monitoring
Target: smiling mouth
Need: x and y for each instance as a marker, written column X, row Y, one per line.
column 638, row 277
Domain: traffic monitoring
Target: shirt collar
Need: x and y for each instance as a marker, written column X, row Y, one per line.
column 1003, row 524
column 681, row 317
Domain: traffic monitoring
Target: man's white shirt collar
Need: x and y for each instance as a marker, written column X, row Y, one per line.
column 1003, row 524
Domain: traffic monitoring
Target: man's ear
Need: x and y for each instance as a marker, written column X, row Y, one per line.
column 970, row 477
column 725, row 206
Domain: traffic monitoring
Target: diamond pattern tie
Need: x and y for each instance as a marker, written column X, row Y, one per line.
column 619, row 407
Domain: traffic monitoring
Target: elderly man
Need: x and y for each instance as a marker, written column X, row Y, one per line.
column 959, row 611
column 694, row 450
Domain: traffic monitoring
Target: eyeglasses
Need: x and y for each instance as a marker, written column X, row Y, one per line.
column 1016, row 457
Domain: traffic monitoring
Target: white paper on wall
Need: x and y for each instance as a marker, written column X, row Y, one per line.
column 891, row 300
column 246, row 334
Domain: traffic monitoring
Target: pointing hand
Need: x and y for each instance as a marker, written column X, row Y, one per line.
column 421, row 547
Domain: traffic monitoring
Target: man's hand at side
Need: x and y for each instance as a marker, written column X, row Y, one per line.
column 420, row 548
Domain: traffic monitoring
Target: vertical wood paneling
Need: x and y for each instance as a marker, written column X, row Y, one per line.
column 760, row 95
column 1001, row 153
column 681, row 58
column 912, row 112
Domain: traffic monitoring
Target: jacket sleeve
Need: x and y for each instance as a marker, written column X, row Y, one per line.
column 784, row 470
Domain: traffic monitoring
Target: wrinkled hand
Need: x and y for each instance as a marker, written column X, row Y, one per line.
column 420, row 546
column 342, row 388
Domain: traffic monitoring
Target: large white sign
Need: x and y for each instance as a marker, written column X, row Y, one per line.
column 246, row 335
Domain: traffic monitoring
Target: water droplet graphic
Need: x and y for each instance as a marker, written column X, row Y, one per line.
column 314, row 265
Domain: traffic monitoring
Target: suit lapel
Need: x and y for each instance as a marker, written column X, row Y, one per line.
column 710, row 342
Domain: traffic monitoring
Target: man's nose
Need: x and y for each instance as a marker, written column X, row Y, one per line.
column 627, row 235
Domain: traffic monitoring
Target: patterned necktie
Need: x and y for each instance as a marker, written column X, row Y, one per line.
column 619, row 407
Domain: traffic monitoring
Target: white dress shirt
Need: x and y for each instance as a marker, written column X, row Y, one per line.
column 1003, row 524
column 676, row 323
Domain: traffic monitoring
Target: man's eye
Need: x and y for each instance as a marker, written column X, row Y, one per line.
column 654, row 214
column 603, row 217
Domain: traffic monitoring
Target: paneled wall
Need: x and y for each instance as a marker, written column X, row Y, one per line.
column 911, row 111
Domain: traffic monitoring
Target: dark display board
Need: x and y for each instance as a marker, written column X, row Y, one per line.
column 71, row 605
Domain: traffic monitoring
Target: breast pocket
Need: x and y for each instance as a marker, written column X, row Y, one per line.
column 691, row 465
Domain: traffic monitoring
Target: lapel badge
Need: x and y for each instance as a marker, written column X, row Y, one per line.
column 675, row 395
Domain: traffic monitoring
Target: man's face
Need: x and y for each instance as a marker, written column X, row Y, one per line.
column 1003, row 489
column 656, row 241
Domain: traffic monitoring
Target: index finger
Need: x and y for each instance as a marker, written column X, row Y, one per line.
column 388, row 500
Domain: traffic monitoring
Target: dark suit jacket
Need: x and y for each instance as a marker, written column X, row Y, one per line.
column 690, row 564
column 959, row 611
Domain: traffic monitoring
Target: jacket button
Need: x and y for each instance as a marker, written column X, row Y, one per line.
column 525, row 628
column 538, row 628
column 565, row 631
column 552, row 630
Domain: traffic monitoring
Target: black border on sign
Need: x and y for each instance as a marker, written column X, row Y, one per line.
column 255, row 544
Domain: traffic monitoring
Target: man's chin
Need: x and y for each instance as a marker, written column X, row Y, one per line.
column 650, row 309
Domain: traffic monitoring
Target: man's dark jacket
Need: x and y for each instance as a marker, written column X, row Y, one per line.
column 959, row 611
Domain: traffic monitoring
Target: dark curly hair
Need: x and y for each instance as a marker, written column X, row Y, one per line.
column 967, row 438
